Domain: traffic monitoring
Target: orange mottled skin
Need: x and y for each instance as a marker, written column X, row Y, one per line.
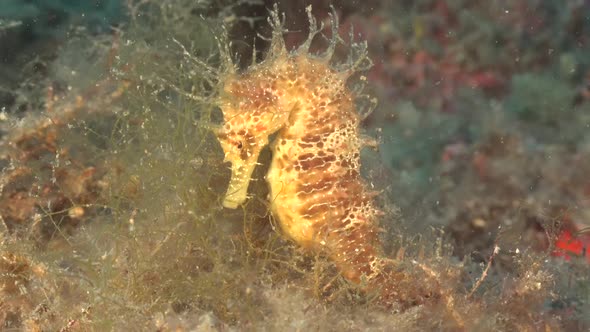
column 316, row 192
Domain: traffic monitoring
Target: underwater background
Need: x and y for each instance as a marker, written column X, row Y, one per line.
column 112, row 179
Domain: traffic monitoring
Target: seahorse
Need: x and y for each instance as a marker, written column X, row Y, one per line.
column 317, row 194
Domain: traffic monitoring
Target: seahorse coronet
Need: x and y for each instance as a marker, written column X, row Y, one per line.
column 317, row 194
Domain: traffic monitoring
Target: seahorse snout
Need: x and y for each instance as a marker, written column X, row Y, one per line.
column 242, row 150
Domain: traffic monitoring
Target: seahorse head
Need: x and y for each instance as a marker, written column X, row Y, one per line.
column 250, row 114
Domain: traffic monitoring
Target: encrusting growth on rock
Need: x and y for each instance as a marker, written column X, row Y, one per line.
column 316, row 191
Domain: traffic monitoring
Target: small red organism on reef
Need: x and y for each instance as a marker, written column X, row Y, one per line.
column 568, row 245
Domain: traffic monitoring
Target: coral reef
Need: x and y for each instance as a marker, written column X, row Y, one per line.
column 113, row 182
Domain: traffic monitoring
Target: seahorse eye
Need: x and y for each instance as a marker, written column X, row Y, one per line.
column 239, row 145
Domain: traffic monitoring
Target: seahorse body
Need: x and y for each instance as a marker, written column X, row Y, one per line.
column 316, row 190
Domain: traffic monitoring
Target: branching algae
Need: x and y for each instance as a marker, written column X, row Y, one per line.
column 317, row 194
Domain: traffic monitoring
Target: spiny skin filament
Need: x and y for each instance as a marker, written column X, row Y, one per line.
column 316, row 191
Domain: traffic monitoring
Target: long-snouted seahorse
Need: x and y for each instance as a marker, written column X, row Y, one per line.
column 316, row 191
